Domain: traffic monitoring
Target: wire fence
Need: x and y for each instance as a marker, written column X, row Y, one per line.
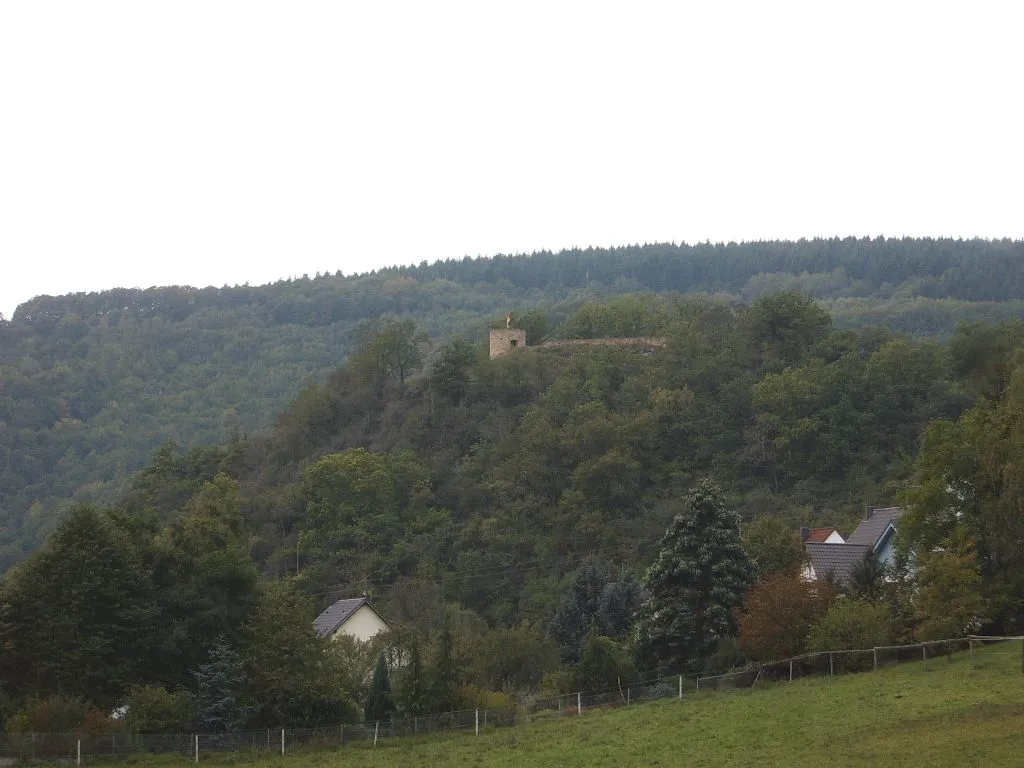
column 977, row 651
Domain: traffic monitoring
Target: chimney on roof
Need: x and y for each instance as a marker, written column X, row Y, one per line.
column 868, row 512
column 805, row 534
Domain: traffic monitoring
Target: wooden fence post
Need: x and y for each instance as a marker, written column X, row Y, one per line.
column 197, row 748
column 875, row 652
column 831, row 668
column 579, row 704
column 476, row 722
column 376, row 728
column 282, row 742
column 791, row 670
column 78, row 753
column 680, row 686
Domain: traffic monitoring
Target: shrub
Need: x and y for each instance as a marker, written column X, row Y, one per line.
column 152, row 709
column 604, row 664
column 728, row 657
column 851, row 624
column 56, row 714
column 559, row 682
column 514, row 658
column 472, row 697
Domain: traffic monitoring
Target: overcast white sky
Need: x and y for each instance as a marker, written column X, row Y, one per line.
column 149, row 143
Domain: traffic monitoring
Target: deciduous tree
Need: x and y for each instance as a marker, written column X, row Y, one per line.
column 78, row 617
column 779, row 612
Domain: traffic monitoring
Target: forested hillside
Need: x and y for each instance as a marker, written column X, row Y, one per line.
column 550, row 519
column 91, row 384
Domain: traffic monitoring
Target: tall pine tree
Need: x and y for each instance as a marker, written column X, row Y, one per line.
column 379, row 704
column 445, row 685
column 414, row 686
column 699, row 578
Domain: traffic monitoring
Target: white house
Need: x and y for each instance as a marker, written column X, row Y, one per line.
column 354, row 617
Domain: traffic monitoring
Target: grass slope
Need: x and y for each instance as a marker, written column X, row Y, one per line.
column 952, row 715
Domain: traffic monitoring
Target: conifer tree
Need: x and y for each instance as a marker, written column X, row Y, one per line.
column 379, row 704
column 593, row 600
column 698, row 579
column 414, row 687
column 445, row 685
column 219, row 681
column 578, row 610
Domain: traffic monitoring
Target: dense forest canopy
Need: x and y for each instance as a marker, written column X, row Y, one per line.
column 554, row 518
column 90, row 384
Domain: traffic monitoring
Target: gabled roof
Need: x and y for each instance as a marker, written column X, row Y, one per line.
column 818, row 535
column 328, row 622
column 872, row 530
column 840, row 560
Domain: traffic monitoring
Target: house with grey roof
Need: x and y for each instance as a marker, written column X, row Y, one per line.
column 878, row 531
column 833, row 562
column 355, row 617
column 873, row 538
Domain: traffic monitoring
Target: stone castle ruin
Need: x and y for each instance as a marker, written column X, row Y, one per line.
column 507, row 339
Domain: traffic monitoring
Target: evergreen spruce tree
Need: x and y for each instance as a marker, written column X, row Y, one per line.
column 593, row 600
column 220, row 680
column 578, row 610
column 379, row 704
column 445, row 685
column 414, row 686
column 699, row 578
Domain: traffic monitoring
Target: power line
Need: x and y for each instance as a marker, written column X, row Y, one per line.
column 510, row 569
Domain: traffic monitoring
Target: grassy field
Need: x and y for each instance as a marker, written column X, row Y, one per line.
column 952, row 715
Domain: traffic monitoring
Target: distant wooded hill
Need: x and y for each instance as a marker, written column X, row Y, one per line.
column 90, row 384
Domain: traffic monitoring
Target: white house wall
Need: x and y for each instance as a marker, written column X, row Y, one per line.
column 362, row 625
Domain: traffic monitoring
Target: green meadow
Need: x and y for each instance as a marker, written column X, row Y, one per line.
column 954, row 713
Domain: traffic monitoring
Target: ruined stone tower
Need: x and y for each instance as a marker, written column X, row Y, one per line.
column 504, row 340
